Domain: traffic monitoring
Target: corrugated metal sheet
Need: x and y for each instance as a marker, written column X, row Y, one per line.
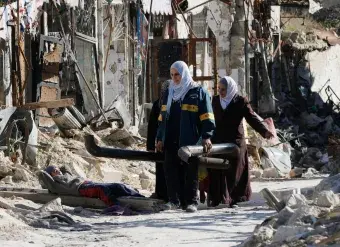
column 161, row 7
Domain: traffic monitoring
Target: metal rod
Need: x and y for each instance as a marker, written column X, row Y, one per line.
column 116, row 153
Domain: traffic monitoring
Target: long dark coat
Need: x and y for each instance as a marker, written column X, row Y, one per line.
column 233, row 185
column 161, row 189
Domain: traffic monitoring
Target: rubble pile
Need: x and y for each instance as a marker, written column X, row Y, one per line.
column 71, row 152
column 16, row 174
column 312, row 221
column 308, row 131
column 316, row 123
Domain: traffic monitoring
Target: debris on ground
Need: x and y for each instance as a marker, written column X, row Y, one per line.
column 303, row 221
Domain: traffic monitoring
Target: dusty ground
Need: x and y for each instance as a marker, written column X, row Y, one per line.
column 219, row 227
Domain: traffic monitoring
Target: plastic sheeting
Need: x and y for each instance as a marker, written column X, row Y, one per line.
column 273, row 157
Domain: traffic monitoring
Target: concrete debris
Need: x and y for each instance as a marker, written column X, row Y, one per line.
column 54, row 205
column 296, row 201
column 257, row 173
column 22, row 174
column 327, row 199
column 7, row 180
column 331, row 183
column 304, row 222
column 283, row 233
column 5, row 170
column 271, row 173
column 262, row 236
column 284, row 215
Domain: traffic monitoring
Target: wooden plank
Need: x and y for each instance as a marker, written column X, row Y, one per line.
column 72, row 201
column 49, row 104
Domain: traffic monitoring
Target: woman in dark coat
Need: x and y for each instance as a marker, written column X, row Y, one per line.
column 232, row 185
column 160, row 188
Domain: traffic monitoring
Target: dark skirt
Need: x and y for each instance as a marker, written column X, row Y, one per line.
column 232, row 185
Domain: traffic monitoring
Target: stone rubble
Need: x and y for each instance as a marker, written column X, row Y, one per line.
column 304, row 221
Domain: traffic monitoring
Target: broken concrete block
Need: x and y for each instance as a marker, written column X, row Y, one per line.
column 264, row 234
column 109, row 174
column 284, row 216
column 286, row 193
column 146, row 184
column 327, row 199
column 21, row 175
column 304, row 211
column 54, row 205
column 7, row 180
column 257, row 173
column 296, row 200
column 330, row 183
column 284, row 232
column 5, row 170
column 146, row 175
column 76, row 169
column 270, row 173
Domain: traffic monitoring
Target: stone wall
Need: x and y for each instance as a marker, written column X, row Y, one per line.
column 220, row 19
column 325, row 65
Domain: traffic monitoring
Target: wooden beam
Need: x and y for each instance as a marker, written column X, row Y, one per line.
column 49, row 104
column 72, row 201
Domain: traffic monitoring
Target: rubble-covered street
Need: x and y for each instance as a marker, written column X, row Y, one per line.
column 215, row 227
column 83, row 93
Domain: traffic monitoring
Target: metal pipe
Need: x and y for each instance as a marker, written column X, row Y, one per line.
column 116, row 153
column 185, row 153
column 208, row 162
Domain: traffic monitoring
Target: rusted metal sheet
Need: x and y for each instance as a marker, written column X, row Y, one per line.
column 46, row 92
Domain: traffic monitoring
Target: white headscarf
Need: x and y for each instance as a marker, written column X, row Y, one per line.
column 232, row 89
column 178, row 92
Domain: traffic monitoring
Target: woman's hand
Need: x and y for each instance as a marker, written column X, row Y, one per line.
column 159, row 146
column 206, row 143
column 268, row 135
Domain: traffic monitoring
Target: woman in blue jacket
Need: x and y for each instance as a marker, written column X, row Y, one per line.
column 186, row 118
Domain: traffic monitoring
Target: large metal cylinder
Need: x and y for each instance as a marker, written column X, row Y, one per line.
column 64, row 119
column 229, row 149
